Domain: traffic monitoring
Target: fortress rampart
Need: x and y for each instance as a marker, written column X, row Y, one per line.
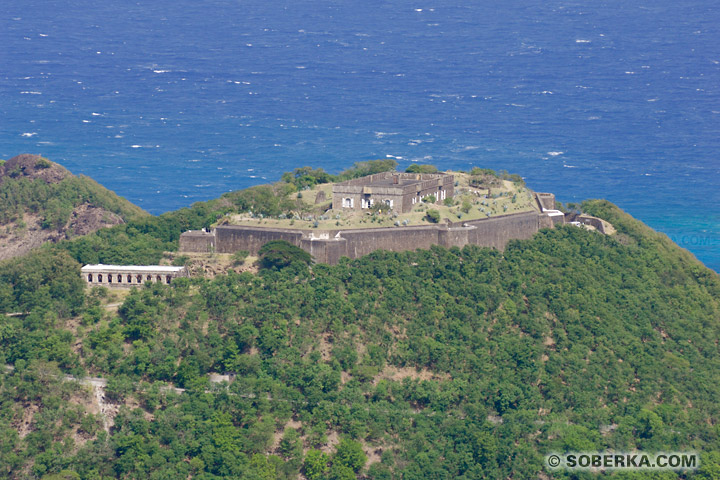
column 328, row 246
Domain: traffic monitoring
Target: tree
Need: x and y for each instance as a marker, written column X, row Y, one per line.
column 315, row 465
column 416, row 168
column 278, row 254
column 350, row 454
column 432, row 216
column 370, row 167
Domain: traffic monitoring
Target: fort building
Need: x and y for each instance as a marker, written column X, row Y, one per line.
column 404, row 191
column 399, row 191
column 330, row 245
column 126, row 276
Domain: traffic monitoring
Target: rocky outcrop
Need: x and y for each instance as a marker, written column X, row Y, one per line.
column 33, row 166
column 25, row 229
column 17, row 239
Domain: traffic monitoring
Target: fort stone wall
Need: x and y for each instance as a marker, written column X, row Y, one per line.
column 546, row 201
column 496, row 232
column 328, row 246
column 231, row 238
column 197, row 241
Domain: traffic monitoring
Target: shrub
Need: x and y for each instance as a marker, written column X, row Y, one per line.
column 477, row 171
column 43, row 163
column 240, row 256
column 181, row 260
column 432, row 216
column 429, row 199
column 415, row 168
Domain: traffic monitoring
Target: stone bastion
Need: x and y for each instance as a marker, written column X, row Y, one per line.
column 328, row 246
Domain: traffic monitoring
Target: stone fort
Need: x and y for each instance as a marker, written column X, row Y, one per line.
column 403, row 190
column 399, row 191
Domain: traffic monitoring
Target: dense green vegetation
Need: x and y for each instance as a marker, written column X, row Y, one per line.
column 54, row 202
column 307, row 177
column 460, row 363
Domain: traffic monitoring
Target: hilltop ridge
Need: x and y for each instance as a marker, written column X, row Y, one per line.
column 41, row 201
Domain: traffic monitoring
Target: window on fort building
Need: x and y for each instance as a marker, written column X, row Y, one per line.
column 347, row 203
column 109, row 277
column 139, row 279
column 365, row 203
column 119, row 278
column 389, row 203
column 100, row 277
column 158, row 279
column 167, row 279
column 149, row 278
column 129, row 278
column 90, row 277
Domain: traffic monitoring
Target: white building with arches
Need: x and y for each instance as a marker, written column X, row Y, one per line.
column 126, row 276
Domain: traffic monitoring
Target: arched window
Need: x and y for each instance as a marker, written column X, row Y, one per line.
column 347, row 203
column 167, row 279
column 139, row 278
column 89, row 277
column 109, row 277
column 119, row 278
column 100, row 277
column 149, row 278
column 158, row 279
column 129, row 278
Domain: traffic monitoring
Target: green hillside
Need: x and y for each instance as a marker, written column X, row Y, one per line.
column 42, row 202
column 32, row 184
column 429, row 364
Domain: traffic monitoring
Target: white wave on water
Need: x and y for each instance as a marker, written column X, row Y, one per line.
column 162, row 71
column 28, row 134
column 27, row 92
column 580, row 40
column 569, row 166
column 555, row 154
column 384, row 134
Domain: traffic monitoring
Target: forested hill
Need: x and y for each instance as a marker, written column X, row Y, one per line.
column 462, row 363
column 41, row 201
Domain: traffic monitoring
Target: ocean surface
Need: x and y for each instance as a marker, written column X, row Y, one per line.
column 172, row 102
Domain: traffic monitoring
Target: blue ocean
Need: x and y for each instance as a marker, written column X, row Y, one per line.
column 172, row 102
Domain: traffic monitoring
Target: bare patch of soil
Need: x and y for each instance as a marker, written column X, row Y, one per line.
column 399, row 373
